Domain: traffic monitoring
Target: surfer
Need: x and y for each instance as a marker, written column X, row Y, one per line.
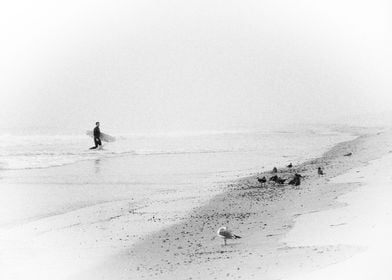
column 97, row 137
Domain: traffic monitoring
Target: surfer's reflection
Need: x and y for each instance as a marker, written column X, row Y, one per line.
column 97, row 165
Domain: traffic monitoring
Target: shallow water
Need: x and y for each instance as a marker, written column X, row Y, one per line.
column 248, row 148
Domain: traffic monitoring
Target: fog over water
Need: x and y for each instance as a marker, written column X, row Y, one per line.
column 191, row 65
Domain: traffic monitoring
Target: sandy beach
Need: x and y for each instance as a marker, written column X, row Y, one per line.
column 134, row 135
column 364, row 221
column 322, row 226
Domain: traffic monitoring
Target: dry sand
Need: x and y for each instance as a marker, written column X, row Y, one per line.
column 263, row 216
column 364, row 221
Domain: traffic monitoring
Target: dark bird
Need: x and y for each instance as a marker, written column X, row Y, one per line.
column 320, row 171
column 298, row 175
column 224, row 233
column 293, row 182
column 262, row 181
column 274, row 170
column 348, row 155
column 296, row 181
column 274, row 178
column 290, row 165
column 280, row 181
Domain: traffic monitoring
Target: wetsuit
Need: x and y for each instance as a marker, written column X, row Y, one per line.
column 97, row 140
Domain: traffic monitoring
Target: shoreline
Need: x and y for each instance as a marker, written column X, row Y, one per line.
column 364, row 221
column 189, row 250
column 35, row 190
column 172, row 233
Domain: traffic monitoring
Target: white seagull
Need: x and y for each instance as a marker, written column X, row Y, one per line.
column 224, row 233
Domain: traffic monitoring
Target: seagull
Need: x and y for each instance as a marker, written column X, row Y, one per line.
column 262, row 181
column 296, row 181
column 277, row 179
column 224, row 233
column 290, row 165
column 320, row 171
column 280, row 181
column 273, row 178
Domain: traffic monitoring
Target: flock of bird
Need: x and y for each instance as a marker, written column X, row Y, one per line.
column 225, row 233
column 295, row 180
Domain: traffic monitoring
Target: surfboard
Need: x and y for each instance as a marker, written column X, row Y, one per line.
column 104, row 137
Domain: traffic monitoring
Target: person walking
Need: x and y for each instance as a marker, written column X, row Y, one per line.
column 97, row 137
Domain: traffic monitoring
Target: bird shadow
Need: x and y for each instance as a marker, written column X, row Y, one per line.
column 234, row 244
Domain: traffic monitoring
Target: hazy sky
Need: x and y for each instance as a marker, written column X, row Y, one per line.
column 183, row 65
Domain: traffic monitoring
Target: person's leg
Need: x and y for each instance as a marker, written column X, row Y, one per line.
column 96, row 142
column 99, row 144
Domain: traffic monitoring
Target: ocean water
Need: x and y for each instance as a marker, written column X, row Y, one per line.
column 213, row 152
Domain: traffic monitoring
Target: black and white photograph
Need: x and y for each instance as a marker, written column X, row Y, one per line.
column 196, row 140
